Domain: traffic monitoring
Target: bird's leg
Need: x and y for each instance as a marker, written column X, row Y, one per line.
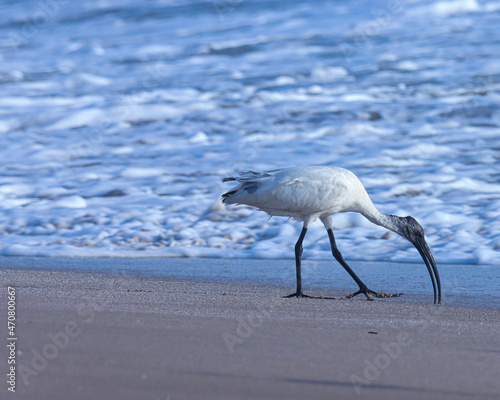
column 298, row 255
column 363, row 289
column 338, row 256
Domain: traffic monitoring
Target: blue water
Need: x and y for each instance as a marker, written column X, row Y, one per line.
column 119, row 118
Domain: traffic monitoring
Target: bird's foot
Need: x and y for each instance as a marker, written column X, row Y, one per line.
column 370, row 293
column 297, row 294
column 300, row 294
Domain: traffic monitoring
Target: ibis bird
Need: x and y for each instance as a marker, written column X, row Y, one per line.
column 309, row 193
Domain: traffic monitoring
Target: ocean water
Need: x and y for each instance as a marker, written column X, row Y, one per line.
column 118, row 120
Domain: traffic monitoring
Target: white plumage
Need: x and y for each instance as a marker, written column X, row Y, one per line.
column 309, row 193
column 303, row 193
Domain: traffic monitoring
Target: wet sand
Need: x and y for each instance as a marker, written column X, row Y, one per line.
column 103, row 336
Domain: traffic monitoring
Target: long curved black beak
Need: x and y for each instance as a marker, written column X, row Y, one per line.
column 425, row 252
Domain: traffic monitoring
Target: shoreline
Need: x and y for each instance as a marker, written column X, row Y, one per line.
column 148, row 338
column 463, row 285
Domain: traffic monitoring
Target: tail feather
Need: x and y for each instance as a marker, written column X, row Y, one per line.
column 249, row 183
column 227, row 195
column 243, row 189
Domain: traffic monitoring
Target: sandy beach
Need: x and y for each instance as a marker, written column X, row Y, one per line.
column 124, row 275
column 84, row 336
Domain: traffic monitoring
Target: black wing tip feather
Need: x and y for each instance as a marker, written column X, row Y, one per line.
column 225, row 196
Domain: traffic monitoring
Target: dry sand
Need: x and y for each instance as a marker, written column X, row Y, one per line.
column 96, row 336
